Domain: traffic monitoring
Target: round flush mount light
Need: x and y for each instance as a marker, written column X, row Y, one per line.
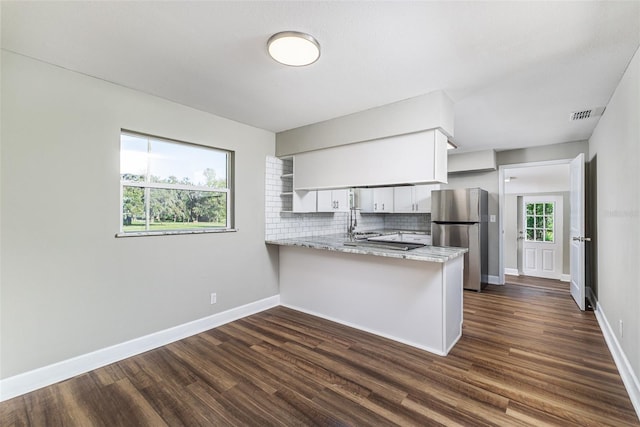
column 293, row 48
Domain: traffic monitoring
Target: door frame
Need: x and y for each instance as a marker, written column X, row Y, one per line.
column 502, row 169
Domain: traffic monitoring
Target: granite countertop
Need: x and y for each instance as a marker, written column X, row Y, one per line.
column 335, row 242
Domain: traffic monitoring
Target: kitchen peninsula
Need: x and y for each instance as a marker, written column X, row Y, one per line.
column 411, row 296
column 343, row 173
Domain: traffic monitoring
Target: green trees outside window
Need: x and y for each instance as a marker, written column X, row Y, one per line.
column 171, row 186
column 539, row 222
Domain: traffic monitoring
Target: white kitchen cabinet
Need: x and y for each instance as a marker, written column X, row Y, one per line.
column 413, row 199
column 365, row 199
column 379, row 200
column 422, row 197
column 304, row 201
column 403, row 199
column 333, row 200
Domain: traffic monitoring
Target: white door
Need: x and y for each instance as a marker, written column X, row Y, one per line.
column 576, row 231
column 542, row 243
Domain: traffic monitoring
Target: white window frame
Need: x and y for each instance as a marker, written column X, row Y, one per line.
column 147, row 186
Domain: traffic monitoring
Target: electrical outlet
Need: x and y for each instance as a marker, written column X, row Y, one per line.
column 620, row 325
column 214, row 298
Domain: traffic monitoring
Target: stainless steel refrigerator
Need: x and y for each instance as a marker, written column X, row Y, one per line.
column 459, row 218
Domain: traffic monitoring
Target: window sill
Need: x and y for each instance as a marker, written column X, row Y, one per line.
column 173, row 233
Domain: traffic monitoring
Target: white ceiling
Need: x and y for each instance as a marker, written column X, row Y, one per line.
column 515, row 70
column 537, row 179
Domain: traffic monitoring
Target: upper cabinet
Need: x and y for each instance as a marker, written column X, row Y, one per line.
column 378, row 200
column 422, row 197
column 413, row 199
column 417, row 158
column 294, row 201
column 333, row 200
column 304, row 201
column 403, row 199
column 399, row 199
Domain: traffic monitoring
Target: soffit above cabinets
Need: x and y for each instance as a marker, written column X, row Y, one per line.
column 430, row 111
column 476, row 161
column 417, row 158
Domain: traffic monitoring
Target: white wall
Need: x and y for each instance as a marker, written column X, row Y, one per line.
column 68, row 285
column 430, row 111
column 615, row 145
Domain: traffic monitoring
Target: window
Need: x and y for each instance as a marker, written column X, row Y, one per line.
column 539, row 222
column 173, row 187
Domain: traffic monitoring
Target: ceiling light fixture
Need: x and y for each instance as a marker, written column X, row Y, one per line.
column 451, row 145
column 293, row 48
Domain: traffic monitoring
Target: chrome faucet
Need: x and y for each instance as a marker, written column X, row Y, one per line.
column 353, row 222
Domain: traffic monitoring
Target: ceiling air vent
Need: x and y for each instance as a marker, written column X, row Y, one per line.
column 585, row 114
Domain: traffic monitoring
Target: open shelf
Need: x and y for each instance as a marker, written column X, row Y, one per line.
column 286, row 188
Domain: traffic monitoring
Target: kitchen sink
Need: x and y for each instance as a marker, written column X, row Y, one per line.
column 397, row 246
column 403, row 237
column 364, row 235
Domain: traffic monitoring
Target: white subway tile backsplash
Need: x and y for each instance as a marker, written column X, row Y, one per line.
column 280, row 224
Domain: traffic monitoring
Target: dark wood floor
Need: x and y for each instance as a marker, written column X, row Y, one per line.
column 527, row 357
column 538, row 282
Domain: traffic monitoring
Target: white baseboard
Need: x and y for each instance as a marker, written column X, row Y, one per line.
column 515, row 272
column 511, row 271
column 371, row 331
column 591, row 297
column 47, row 375
column 629, row 378
column 494, row 280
